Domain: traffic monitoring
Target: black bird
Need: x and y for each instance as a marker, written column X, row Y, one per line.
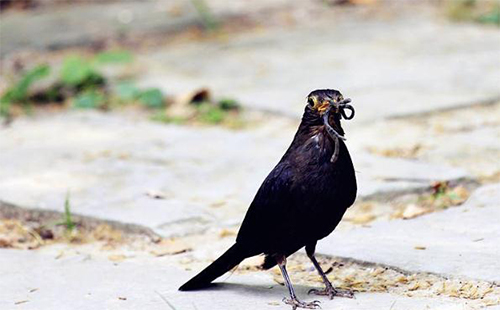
column 301, row 201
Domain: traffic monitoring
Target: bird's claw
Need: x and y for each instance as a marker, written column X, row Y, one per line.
column 295, row 303
column 344, row 293
column 332, row 292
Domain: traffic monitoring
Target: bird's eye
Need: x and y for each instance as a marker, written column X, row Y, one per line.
column 310, row 101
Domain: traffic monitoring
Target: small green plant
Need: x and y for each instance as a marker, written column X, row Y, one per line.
column 89, row 99
column 492, row 16
column 150, row 97
column 5, row 107
column 486, row 12
column 77, row 71
column 210, row 113
column 207, row 18
column 460, row 10
column 19, row 91
column 68, row 223
column 127, row 91
column 81, row 80
column 225, row 111
column 163, row 117
column 227, row 104
column 117, row 57
column 81, row 72
column 216, row 113
column 443, row 196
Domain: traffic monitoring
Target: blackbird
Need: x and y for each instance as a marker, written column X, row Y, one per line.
column 301, row 201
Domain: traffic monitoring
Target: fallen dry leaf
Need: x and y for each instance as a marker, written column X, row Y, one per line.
column 181, row 106
column 218, row 204
column 412, row 211
column 117, row 257
column 14, row 234
column 363, row 278
column 362, row 218
column 170, row 247
column 410, row 152
column 227, row 233
column 107, row 233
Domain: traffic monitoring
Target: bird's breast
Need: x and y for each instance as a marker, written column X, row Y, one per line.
column 331, row 183
column 318, row 149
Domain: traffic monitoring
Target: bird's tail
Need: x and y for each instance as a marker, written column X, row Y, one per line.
column 232, row 257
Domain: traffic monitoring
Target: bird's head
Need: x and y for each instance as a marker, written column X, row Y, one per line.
column 327, row 107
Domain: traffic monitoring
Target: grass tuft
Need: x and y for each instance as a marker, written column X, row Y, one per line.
column 68, row 222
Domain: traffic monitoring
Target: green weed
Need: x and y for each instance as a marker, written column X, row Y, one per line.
column 19, row 91
column 228, row 104
column 210, row 113
column 163, row 117
column 89, row 99
column 486, row 12
column 207, row 18
column 68, row 222
column 81, row 81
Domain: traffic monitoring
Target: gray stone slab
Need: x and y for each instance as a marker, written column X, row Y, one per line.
column 379, row 175
column 36, row 280
column 89, row 23
column 460, row 241
column 466, row 138
column 208, row 176
column 402, row 63
column 110, row 163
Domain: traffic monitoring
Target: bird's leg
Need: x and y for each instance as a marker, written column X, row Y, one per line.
column 293, row 300
column 329, row 290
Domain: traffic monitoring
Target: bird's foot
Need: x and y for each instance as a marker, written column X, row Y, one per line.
column 295, row 303
column 331, row 292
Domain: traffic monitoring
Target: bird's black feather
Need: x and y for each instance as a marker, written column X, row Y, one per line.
column 301, row 201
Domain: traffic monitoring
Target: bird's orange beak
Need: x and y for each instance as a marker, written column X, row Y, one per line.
column 320, row 105
column 323, row 106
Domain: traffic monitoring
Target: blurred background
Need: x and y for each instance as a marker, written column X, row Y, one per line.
column 140, row 130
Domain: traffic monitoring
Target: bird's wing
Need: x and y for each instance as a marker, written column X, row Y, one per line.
column 270, row 205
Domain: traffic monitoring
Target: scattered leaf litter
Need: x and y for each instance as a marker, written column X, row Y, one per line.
column 367, row 277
